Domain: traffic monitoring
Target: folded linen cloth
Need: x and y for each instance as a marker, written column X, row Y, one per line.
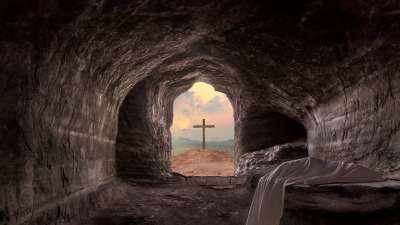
column 267, row 205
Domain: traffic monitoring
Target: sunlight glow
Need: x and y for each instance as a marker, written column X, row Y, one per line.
column 202, row 101
column 205, row 92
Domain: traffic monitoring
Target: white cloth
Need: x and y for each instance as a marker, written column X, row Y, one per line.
column 268, row 199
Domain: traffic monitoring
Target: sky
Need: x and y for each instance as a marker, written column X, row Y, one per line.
column 202, row 101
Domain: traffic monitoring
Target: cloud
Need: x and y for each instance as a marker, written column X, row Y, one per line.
column 213, row 106
column 202, row 101
column 203, row 92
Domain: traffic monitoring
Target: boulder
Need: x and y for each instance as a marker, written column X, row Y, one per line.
column 257, row 162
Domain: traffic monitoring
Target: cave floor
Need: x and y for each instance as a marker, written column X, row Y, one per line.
column 174, row 204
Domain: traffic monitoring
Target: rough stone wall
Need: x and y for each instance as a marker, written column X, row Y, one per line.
column 76, row 206
column 54, row 137
column 16, row 167
column 60, row 119
column 143, row 141
column 362, row 125
column 258, row 162
column 67, row 66
column 62, row 144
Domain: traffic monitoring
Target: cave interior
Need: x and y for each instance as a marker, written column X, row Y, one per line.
column 86, row 103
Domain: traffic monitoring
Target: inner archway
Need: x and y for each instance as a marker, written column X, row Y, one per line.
column 202, row 133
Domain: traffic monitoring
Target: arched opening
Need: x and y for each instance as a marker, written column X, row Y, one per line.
column 202, row 133
column 148, row 133
column 143, row 143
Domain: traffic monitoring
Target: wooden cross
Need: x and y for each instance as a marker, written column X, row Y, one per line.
column 204, row 126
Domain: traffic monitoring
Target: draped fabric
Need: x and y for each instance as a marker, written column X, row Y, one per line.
column 268, row 199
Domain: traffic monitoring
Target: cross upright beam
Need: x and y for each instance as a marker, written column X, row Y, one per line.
column 204, row 126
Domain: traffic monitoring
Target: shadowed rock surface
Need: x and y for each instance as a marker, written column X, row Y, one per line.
column 175, row 204
column 191, row 204
column 258, row 162
column 336, row 204
column 345, row 198
column 87, row 86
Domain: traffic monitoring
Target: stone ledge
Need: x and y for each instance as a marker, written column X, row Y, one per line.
column 345, row 198
column 257, row 162
column 210, row 181
column 216, row 181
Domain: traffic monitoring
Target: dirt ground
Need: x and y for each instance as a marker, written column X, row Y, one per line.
column 207, row 162
column 175, row 205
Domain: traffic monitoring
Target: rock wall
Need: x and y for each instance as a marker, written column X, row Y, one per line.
column 258, row 162
column 74, row 207
column 57, row 129
column 361, row 125
column 143, row 143
column 61, row 145
column 66, row 69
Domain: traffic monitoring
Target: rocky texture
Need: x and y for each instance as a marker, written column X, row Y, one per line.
column 362, row 125
column 143, row 137
column 258, row 162
column 192, row 204
column 345, row 198
column 356, row 204
column 306, row 217
column 216, row 182
column 75, row 206
column 66, row 68
column 172, row 204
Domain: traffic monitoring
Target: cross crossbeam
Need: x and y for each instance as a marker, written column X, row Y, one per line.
column 204, row 126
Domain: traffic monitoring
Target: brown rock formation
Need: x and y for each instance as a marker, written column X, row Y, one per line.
column 86, row 87
column 258, row 162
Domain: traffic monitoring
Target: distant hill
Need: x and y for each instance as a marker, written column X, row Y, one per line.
column 181, row 145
